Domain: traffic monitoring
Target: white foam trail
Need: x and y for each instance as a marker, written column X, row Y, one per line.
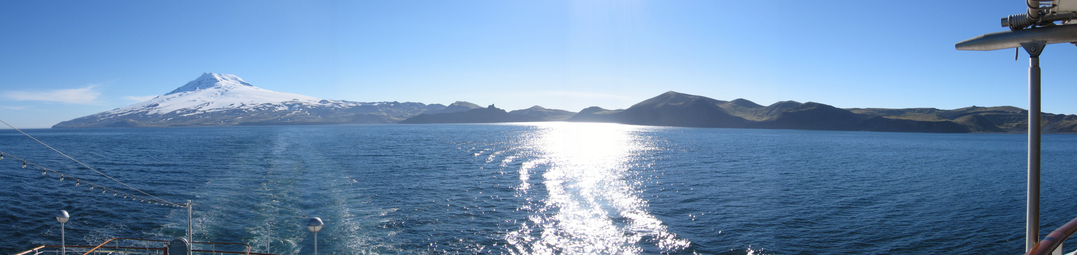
column 591, row 206
column 525, row 175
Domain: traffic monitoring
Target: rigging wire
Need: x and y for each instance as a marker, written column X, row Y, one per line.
column 83, row 164
column 93, row 186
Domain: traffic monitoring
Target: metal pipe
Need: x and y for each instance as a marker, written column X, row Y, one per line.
column 1022, row 21
column 1032, row 223
column 1033, row 9
column 1039, row 13
column 1014, row 39
column 190, row 225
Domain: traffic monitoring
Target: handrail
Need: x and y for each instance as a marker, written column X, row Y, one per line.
column 234, row 252
column 248, row 252
column 140, row 248
column 119, row 238
column 248, row 246
column 1054, row 239
column 31, row 250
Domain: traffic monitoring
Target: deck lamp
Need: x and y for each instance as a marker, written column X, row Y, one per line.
column 62, row 217
column 314, row 225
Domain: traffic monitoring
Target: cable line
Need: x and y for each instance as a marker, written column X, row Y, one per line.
column 83, row 164
column 93, row 186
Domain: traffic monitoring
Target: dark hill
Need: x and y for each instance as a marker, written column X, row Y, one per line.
column 537, row 113
column 458, row 106
column 744, row 103
column 676, row 109
column 774, row 110
column 750, row 110
column 491, row 114
column 815, row 116
column 998, row 119
column 482, row 115
column 596, row 114
column 685, row 110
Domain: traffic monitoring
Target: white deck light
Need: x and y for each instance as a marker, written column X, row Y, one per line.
column 314, row 225
column 62, row 217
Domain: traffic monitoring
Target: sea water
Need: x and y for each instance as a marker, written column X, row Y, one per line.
column 537, row 188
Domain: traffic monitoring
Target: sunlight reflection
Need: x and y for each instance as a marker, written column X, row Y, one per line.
column 593, row 205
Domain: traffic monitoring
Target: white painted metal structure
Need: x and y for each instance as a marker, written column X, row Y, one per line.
column 1045, row 22
column 62, row 217
column 314, row 225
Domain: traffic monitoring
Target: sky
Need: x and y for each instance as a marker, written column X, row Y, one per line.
column 60, row 60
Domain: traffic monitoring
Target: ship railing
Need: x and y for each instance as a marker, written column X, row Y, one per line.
column 83, row 249
column 159, row 249
column 1052, row 244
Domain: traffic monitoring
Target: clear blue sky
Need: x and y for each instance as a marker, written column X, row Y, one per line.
column 65, row 59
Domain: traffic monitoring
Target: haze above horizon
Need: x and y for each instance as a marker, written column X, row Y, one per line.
column 65, row 60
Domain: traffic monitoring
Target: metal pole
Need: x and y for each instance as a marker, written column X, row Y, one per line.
column 63, row 239
column 190, row 225
column 314, row 225
column 1032, row 223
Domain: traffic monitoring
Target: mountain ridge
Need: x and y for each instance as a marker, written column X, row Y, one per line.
column 226, row 100
column 679, row 109
column 492, row 114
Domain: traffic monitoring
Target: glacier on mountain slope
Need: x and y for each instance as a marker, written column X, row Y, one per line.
column 214, row 92
column 224, row 100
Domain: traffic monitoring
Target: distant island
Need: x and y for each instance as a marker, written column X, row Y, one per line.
column 226, row 100
column 492, row 114
column 684, row 110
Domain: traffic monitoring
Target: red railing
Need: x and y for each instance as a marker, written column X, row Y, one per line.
column 1054, row 239
column 162, row 249
column 246, row 252
column 42, row 248
column 124, row 238
column 31, row 250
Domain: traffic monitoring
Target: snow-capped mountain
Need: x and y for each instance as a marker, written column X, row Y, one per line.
column 211, row 93
column 226, row 100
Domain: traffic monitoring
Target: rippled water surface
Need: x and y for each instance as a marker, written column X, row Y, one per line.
column 548, row 188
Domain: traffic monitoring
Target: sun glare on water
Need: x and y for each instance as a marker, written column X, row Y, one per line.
column 593, row 204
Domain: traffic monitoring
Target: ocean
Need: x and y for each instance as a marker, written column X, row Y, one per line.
column 537, row 188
